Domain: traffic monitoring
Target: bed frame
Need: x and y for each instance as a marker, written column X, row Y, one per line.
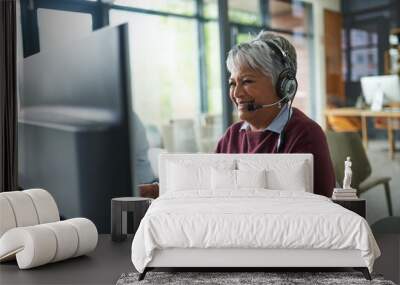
column 243, row 259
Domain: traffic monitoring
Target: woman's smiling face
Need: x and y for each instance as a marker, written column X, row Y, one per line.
column 247, row 85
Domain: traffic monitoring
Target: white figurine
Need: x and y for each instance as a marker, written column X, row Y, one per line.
column 347, row 174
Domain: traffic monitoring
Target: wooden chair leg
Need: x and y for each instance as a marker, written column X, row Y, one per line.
column 388, row 198
column 364, row 131
column 364, row 271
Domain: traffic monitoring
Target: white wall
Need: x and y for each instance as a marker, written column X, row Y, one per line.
column 318, row 7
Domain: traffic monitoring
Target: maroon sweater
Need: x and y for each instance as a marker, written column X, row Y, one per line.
column 302, row 135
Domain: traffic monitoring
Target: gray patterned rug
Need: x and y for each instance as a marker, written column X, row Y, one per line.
column 228, row 278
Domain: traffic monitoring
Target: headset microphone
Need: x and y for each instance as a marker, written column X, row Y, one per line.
column 251, row 107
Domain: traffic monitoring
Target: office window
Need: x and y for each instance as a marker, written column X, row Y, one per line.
column 163, row 64
column 210, row 9
column 212, row 68
column 57, row 26
column 363, row 52
column 186, row 7
column 292, row 16
column 210, row 129
column 364, row 62
column 244, row 12
column 244, row 37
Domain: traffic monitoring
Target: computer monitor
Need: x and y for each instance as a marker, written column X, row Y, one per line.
column 76, row 124
column 389, row 85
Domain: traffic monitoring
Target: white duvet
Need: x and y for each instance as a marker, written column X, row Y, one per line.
column 250, row 219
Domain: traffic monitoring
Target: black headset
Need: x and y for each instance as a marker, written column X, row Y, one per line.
column 286, row 85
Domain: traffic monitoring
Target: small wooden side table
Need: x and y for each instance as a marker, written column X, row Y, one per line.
column 119, row 208
column 358, row 206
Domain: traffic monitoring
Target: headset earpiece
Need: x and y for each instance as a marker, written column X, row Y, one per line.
column 286, row 85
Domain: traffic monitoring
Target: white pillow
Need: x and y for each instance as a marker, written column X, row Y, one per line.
column 281, row 175
column 236, row 179
column 193, row 175
column 223, row 179
column 251, row 178
column 292, row 179
column 183, row 177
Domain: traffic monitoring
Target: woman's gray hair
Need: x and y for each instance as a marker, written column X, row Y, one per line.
column 256, row 54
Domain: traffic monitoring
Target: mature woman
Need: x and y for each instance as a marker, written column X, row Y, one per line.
column 262, row 87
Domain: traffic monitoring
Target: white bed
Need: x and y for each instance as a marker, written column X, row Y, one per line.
column 219, row 210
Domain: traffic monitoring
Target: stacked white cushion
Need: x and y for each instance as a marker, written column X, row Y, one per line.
column 26, row 208
column 31, row 232
column 32, row 246
column 87, row 234
column 7, row 218
column 66, row 236
column 23, row 208
column 42, row 244
column 45, row 206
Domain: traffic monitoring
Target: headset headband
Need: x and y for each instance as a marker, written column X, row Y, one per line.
column 282, row 54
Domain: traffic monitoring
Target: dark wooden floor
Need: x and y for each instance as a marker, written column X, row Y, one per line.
column 110, row 259
column 103, row 266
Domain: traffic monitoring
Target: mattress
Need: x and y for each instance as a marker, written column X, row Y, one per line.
column 250, row 219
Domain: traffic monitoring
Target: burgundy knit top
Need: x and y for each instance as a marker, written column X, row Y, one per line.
column 302, row 135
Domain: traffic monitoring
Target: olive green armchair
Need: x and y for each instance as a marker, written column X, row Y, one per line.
column 343, row 144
